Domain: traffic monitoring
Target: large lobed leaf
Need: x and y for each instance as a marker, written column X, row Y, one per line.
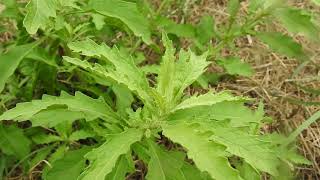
column 104, row 158
column 127, row 12
column 207, row 99
column 234, row 111
column 125, row 71
column 207, row 156
column 78, row 103
column 38, row 14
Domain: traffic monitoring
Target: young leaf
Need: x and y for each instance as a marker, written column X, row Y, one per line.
column 127, row 12
column 174, row 77
column 10, row 61
column 69, row 167
column 298, row 21
column 233, row 7
column 205, row 29
column 207, row 156
column 171, row 27
column 283, row 44
column 104, row 158
column 14, row 142
column 38, row 14
column 208, row 99
column 235, row 66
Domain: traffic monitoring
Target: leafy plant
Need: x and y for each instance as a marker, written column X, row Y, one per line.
column 96, row 109
column 219, row 141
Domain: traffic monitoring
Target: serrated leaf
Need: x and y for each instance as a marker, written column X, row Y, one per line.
column 207, row 99
column 298, row 21
column 38, row 14
column 10, row 61
column 69, row 167
column 235, row 66
column 175, row 77
column 104, row 158
column 283, row 44
column 125, row 70
column 128, row 13
column 88, row 48
column 14, row 142
column 235, row 111
column 52, row 117
column 79, row 102
column 207, row 156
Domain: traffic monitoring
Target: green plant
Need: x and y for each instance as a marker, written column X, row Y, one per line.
column 122, row 109
column 220, row 135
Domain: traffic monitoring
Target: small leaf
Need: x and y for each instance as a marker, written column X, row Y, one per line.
column 128, row 13
column 98, row 21
column 38, row 14
column 14, row 142
column 171, row 27
column 235, row 66
column 233, row 7
column 205, row 29
column 283, row 44
column 298, row 21
column 10, row 61
column 104, row 158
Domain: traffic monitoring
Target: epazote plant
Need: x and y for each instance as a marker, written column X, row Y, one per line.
column 218, row 134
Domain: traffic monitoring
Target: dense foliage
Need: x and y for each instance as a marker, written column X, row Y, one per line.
column 81, row 101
